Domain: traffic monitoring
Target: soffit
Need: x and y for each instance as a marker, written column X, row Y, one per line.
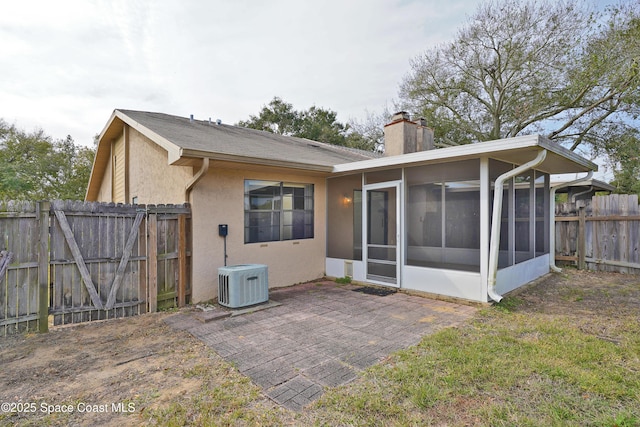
column 518, row 151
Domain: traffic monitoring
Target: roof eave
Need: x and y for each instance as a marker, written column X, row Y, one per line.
column 100, row 161
column 173, row 150
column 564, row 152
column 112, row 128
column 185, row 153
column 468, row 151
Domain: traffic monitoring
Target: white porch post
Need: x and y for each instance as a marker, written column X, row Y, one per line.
column 485, row 193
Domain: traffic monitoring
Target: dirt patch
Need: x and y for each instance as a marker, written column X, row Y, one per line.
column 105, row 373
column 136, row 371
column 583, row 296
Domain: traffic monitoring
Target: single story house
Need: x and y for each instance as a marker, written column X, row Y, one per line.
column 468, row 222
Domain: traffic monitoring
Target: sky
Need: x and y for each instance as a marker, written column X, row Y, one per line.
column 66, row 65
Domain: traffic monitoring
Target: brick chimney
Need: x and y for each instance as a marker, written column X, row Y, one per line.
column 402, row 136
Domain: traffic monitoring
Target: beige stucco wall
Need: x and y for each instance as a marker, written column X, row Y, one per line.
column 219, row 199
column 151, row 179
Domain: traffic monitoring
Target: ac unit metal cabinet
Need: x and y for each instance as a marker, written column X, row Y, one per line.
column 243, row 285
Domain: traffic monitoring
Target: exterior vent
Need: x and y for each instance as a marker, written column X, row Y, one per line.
column 243, row 285
column 348, row 269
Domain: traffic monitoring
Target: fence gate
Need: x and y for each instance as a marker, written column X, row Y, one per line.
column 20, row 290
column 80, row 261
column 97, row 262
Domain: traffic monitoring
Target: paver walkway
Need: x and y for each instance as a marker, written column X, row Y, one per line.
column 321, row 335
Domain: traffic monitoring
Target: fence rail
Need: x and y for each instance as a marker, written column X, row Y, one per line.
column 80, row 261
column 600, row 234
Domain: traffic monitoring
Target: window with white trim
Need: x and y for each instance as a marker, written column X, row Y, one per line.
column 276, row 211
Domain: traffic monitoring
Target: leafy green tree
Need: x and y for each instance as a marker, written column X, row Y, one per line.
column 276, row 117
column 316, row 123
column 75, row 162
column 625, row 159
column 521, row 67
column 319, row 124
column 34, row 167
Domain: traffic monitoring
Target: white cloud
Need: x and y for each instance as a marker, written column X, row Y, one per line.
column 66, row 65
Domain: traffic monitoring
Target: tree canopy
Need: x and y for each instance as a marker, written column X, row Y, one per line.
column 315, row 123
column 33, row 166
column 521, row 67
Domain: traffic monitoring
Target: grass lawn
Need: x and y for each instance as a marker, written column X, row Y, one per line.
column 564, row 351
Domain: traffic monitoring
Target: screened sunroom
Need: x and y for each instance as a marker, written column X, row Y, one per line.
column 423, row 221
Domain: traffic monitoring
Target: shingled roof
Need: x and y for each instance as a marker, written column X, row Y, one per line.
column 187, row 141
column 198, row 138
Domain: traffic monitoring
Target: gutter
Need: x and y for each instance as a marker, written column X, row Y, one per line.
column 494, row 243
column 552, row 218
column 587, row 191
column 197, row 177
column 291, row 164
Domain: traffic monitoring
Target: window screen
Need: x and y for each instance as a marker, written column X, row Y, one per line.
column 277, row 211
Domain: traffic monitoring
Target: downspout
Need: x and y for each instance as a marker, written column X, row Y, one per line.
column 197, row 177
column 552, row 218
column 494, row 242
column 575, row 196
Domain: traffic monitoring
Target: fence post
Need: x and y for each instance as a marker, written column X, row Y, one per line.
column 182, row 259
column 152, row 245
column 43, row 266
column 582, row 247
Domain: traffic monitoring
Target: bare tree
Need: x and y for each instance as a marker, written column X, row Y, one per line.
column 522, row 67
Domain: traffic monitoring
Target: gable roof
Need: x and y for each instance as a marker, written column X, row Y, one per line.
column 184, row 137
column 186, row 140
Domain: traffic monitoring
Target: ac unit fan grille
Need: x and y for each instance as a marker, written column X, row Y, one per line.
column 243, row 285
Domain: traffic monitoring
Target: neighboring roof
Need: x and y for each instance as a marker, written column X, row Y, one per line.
column 585, row 185
column 518, row 150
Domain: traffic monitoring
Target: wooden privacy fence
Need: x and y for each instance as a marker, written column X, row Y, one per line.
column 600, row 234
column 77, row 261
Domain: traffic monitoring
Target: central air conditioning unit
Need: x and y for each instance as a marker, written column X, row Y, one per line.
column 243, row 285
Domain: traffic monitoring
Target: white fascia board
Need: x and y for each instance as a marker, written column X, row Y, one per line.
column 174, row 152
column 108, row 125
column 566, row 153
column 466, row 151
column 254, row 160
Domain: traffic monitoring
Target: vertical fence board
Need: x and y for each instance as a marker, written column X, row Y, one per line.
column 182, row 260
column 19, row 283
column 43, row 266
column 581, row 241
column 152, row 256
column 611, row 233
column 623, row 233
column 52, row 263
column 634, row 231
column 11, row 297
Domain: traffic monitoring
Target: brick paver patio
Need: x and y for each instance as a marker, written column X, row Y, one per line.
column 321, row 335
